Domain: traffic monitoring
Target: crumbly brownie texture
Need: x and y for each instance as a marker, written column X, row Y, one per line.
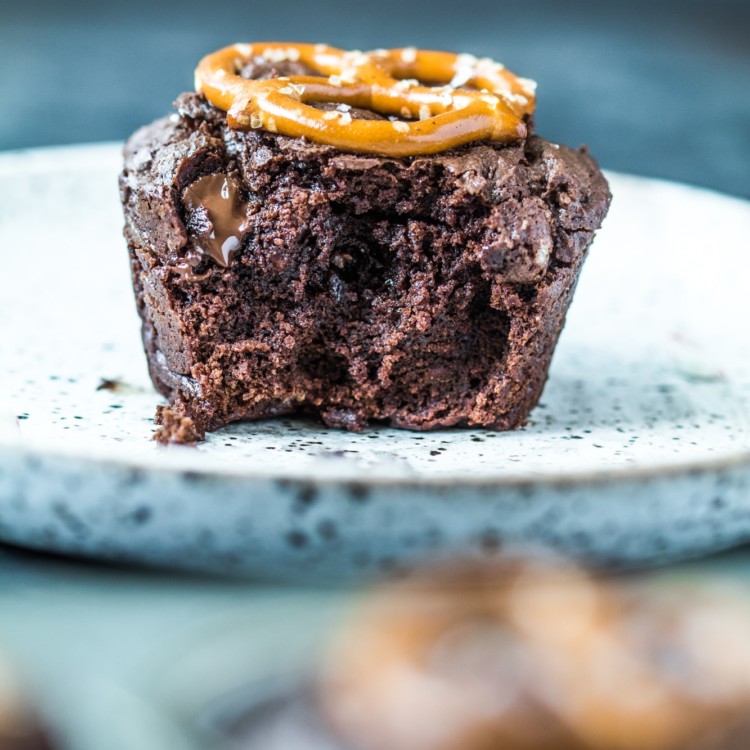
column 423, row 292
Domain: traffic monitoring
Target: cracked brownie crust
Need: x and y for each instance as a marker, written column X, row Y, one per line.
column 421, row 292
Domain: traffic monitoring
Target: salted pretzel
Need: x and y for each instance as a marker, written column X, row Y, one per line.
column 435, row 100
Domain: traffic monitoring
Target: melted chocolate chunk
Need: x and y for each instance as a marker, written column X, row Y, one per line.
column 216, row 216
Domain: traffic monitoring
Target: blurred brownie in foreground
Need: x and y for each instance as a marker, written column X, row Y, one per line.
column 19, row 727
column 356, row 237
column 524, row 655
column 535, row 655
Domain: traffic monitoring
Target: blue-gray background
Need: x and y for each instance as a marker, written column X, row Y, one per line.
column 657, row 87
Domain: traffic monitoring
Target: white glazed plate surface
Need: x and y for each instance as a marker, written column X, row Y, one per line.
column 638, row 452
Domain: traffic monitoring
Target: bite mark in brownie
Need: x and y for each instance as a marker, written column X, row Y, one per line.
column 421, row 292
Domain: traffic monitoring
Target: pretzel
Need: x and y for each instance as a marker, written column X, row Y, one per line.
column 424, row 119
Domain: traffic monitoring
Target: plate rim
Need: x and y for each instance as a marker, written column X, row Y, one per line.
column 173, row 460
column 181, row 459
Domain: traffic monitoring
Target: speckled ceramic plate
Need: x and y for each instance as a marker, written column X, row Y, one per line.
column 639, row 451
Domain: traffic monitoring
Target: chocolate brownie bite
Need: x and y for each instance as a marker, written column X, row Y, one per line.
column 278, row 275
